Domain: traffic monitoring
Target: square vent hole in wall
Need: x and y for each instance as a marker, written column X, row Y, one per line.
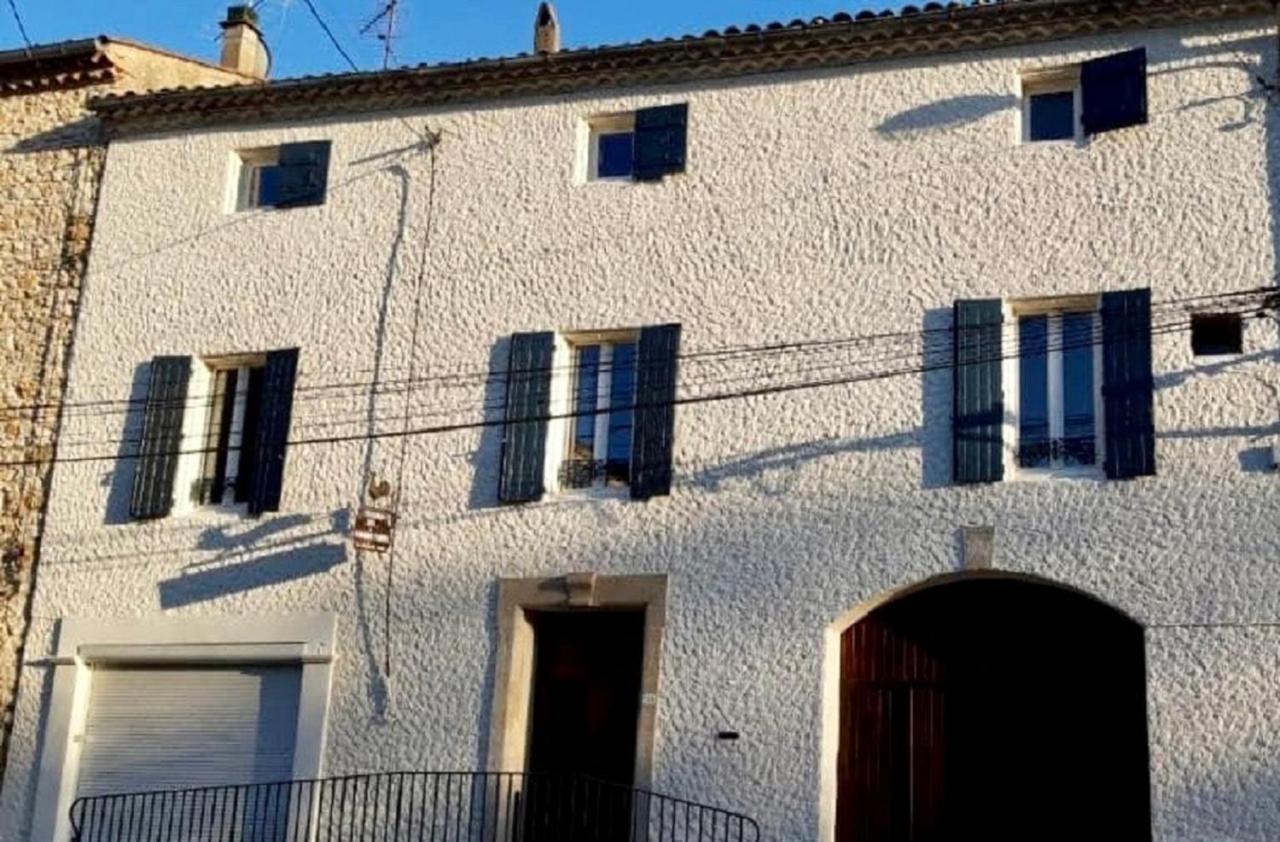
column 1214, row 334
column 287, row 176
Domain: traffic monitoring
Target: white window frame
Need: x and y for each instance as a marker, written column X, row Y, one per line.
column 304, row 639
column 1050, row 80
column 563, row 396
column 594, row 128
column 247, row 166
column 201, row 407
column 1011, row 377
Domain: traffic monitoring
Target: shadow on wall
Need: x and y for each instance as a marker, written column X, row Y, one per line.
column 944, row 115
column 119, row 476
column 486, row 459
column 296, row 557
column 82, row 133
column 932, row 437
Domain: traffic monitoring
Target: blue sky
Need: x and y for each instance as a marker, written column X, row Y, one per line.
column 430, row 30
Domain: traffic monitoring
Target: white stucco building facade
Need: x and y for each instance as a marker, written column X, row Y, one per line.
column 850, row 200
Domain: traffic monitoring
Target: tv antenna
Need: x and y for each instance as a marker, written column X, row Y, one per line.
column 385, row 20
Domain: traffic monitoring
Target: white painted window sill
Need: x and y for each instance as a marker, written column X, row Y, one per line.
column 1088, row 472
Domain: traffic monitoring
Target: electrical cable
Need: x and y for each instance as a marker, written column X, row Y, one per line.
column 925, row 352
column 466, row 378
column 712, row 397
column 22, row 28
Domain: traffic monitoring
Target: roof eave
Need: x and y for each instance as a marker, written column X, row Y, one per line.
column 663, row 62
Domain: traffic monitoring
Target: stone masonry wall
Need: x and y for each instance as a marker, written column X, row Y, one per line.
column 51, row 157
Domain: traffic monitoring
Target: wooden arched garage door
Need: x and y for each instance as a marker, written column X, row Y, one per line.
column 994, row 710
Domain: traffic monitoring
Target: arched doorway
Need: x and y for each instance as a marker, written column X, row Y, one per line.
column 992, row 709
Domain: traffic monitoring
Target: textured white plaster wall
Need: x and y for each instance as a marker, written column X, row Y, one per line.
column 830, row 204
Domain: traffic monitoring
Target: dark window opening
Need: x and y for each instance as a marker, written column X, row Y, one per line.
column 231, row 435
column 600, row 432
column 614, row 155
column 1217, row 333
column 1057, row 396
column 1052, row 116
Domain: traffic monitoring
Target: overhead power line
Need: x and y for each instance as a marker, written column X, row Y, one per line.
column 713, row 397
column 333, row 39
column 22, row 28
column 933, row 339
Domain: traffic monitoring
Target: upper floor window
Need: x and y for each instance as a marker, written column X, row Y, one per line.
column 1076, row 100
column 598, row 446
column 287, row 176
column 230, row 452
column 642, row 145
column 1053, row 386
column 1057, row 405
column 1052, row 115
column 590, row 410
column 214, row 432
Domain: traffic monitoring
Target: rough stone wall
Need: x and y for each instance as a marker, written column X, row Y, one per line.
column 50, row 164
column 835, row 204
column 51, row 155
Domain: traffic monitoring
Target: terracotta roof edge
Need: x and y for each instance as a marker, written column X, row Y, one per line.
column 825, row 42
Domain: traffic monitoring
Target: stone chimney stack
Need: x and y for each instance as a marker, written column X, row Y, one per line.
column 243, row 49
column 546, row 31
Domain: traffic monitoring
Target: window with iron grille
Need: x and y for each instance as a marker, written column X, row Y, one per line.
column 1058, row 393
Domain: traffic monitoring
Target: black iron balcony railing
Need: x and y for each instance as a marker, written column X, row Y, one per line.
column 408, row 807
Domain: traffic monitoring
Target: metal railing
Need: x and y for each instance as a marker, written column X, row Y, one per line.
column 417, row 806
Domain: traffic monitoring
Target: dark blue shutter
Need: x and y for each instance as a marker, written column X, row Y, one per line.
column 653, row 438
column 1127, row 384
column 978, row 413
column 1113, row 91
column 660, row 140
column 524, row 441
column 304, row 173
column 275, row 411
column 161, row 441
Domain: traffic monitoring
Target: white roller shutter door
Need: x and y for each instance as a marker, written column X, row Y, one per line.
column 155, row 728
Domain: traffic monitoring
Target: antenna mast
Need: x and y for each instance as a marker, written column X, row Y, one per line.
column 387, row 35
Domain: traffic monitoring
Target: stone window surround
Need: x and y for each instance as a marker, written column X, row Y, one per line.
column 513, row 685
column 305, row 639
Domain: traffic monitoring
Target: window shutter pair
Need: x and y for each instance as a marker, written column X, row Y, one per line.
column 529, row 373
column 304, row 174
column 1127, row 388
column 1113, row 92
column 661, row 137
column 161, row 441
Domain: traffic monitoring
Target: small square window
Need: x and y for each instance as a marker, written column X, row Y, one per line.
column 1051, row 116
column 611, row 147
column 1217, row 333
column 614, row 153
column 286, row 176
column 646, row 145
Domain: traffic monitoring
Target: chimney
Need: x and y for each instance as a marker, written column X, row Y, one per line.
column 546, row 31
column 243, row 49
